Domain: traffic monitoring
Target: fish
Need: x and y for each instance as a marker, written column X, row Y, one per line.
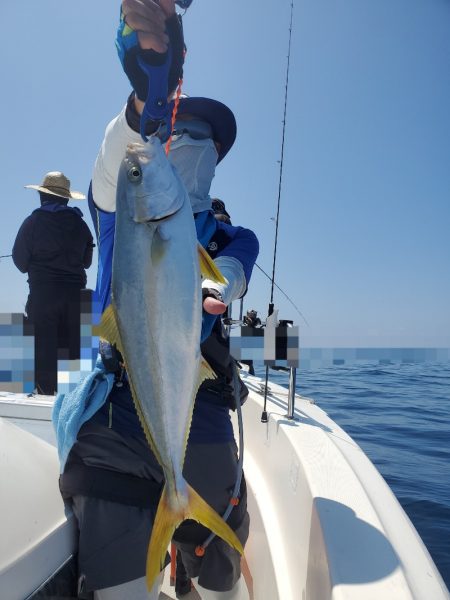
column 155, row 320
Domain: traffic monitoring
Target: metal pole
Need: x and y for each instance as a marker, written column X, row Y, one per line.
column 291, row 395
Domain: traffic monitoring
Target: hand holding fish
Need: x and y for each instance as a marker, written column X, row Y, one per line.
column 146, row 30
column 148, row 19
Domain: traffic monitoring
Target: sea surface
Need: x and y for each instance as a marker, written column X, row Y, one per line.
column 399, row 413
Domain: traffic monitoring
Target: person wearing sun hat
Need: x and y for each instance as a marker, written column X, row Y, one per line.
column 110, row 477
column 54, row 246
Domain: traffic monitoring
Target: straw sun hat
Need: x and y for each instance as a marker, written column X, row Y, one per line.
column 57, row 184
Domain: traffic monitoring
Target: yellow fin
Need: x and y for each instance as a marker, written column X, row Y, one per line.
column 208, row 268
column 168, row 519
column 205, row 371
column 127, row 30
column 200, row 511
column 108, row 329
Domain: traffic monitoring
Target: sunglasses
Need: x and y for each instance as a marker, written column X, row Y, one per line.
column 194, row 128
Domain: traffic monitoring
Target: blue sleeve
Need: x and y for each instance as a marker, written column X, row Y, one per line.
column 104, row 225
column 243, row 246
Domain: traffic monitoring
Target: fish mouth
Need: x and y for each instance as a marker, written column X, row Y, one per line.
column 159, row 219
column 139, row 214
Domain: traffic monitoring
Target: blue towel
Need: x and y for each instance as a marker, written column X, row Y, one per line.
column 70, row 411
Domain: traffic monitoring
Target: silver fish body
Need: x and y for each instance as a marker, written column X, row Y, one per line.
column 156, row 290
column 155, row 319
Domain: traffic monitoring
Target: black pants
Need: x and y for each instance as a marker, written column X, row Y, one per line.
column 54, row 311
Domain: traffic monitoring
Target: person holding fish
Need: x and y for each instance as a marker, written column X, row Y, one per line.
column 146, row 443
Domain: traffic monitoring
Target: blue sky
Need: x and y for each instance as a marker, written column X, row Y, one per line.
column 364, row 246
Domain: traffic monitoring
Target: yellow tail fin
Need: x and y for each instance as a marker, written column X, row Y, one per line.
column 167, row 520
column 208, row 268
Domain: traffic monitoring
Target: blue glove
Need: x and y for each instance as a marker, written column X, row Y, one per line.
column 135, row 61
column 207, row 325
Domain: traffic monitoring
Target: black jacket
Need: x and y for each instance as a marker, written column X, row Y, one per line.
column 54, row 245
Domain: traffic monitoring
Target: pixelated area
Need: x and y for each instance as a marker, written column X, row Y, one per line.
column 273, row 346
column 16, row 353
column 70, row 372
column 317, row 358
column 17, row 350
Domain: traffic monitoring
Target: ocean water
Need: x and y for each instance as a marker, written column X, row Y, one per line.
column 399, row 413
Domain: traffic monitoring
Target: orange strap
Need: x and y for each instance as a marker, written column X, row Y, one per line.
column 173, row 564
column 175, row 108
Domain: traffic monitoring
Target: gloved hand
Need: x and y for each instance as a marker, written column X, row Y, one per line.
column 145, row 30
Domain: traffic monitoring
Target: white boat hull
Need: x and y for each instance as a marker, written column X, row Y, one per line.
column 324, row 524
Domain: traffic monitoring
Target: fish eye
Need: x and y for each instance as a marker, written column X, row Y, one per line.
column 134, row 174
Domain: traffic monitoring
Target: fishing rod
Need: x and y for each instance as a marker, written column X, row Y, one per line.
column 264, row 417
column 284, row 294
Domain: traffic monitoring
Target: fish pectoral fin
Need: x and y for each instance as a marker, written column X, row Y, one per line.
column 168, row 519
column 208, row 268
column 108, row 329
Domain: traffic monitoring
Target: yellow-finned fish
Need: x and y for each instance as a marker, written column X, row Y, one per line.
column 155, row 320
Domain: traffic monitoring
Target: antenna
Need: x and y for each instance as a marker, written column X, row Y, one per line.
column 271, row 305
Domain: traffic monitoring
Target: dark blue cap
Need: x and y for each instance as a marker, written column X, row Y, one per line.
column 219, row 116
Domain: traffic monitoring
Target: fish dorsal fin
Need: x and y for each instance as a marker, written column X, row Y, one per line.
column 208, row 268
column 108, row 329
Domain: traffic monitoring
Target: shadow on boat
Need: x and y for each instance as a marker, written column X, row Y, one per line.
column 357, row 552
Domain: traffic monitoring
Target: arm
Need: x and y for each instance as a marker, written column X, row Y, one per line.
column 87, row 259
column 236, row 263
column 21, row 252
column 118, row 135
column 156, row 24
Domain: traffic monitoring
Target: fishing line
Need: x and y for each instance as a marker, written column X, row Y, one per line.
column 284, row 294
column 264, row 418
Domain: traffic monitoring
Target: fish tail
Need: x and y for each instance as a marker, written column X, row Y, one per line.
column 200, row 511
column 168, row 519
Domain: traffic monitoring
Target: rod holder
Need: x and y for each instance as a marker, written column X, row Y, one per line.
column 291, row 394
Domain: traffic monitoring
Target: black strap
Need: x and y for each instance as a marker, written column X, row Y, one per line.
column 95, row 482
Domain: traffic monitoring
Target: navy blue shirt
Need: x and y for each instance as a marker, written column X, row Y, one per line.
column 54, row 246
